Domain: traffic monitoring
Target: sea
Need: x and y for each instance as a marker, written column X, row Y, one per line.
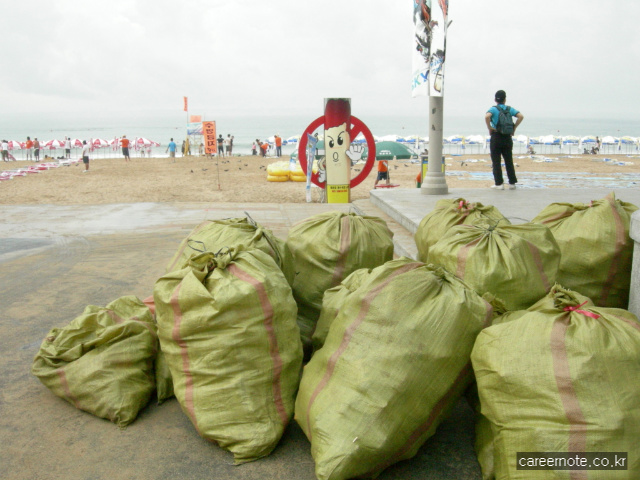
column 161, row 128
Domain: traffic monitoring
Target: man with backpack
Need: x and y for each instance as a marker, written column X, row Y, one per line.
column 499, row 120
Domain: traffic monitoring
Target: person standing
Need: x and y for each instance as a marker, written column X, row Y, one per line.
column 501, row 128
column 227, row 145
column 125, row 148
column 171, row 148
column 85, row 156
column 36, row 149
column 254, row 147
column 220, row 146
column 231, row 145
column 29, row 146
column 67, row 148
column 278, row 142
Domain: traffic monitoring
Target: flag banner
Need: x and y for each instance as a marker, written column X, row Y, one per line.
column 209, row 133
column 195, row 118
column 186, row 104
column 194, row 128
column 430, row 18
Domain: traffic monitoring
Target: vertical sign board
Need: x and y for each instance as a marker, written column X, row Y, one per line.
column 337, row 140
column 210, row 142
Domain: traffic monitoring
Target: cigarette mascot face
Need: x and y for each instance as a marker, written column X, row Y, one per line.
column 337, row 139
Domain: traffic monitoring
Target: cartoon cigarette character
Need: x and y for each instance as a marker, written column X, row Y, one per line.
column 339, row 155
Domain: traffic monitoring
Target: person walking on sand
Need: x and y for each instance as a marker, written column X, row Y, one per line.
column 36, row 150
column 125, row 148
column 85, row 156
column 29, row 146
column 171, row 148
column 501, row 128
column 383, row 172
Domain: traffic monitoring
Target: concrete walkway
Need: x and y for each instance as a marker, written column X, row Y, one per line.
column 55, row 260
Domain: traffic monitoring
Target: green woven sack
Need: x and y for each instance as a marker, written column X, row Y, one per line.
column 449, row 213
column 227, row 327
column 332, row 303
column 596, row 248
column 394, row 363
column 516, row 263
column 213, row 235
column 102, row 361
column 565, row 377
column 328, row 247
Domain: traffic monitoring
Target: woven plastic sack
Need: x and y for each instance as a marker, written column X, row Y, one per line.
column 565, row 377
column 328, row 247
column 449, row 213
column 394, row 363
column 227, row 327
column 597, row 250
column 213, row 235
column 332, row 303
column 516, row 263
column 102, row 361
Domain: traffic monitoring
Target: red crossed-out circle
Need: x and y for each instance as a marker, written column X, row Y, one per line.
column 356, row 128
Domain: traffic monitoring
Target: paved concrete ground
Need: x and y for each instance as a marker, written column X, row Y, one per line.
column 55, row 260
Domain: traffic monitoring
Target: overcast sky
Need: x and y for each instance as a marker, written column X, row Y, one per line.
column 555, row 58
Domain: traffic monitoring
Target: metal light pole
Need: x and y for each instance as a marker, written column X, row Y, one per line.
column 434, row 181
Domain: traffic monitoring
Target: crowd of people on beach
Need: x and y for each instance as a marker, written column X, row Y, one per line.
column 266, row 148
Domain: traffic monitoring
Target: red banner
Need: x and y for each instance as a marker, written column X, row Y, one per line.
column 186, row 104
column 209, row 133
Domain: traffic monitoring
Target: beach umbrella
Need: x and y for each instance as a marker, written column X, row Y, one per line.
column 570, row 140
column 15, row 145
column 454, row 139
column 477, row 139
column 629, row 140
column 294, row 139
column 76, row 142
column 99, row 143
column 387, row 150
column 145, row 142
column 52, row 144
column 391, row 138
column 609, row 140
column 588, row 139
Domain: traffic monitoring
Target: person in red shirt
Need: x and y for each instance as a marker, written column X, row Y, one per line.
column 383, row 172
column 29, row 146
column 278, row 141
column 125, row 148
column 264, row 147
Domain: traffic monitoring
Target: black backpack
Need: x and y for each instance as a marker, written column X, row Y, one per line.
column 505, row 120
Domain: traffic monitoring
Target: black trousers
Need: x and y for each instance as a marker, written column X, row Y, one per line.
column 502, row 148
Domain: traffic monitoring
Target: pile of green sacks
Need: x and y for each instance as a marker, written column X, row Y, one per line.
column 390, row 345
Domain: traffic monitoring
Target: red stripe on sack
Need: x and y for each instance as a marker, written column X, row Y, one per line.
column 629, row 322
column 116, row 319
column 535, row 254
column 184, row 353
column 573, row 412
column 346, row 339
column 65, row 387
column 186, row 244
column 463, row 253
column 274, row 352
column 557, row 217
column 345, row 243
column 620, row 240
column 436, row 411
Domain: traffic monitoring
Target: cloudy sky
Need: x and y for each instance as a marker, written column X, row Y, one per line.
column 564, row 58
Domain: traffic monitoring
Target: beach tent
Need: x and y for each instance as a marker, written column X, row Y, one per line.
column 393, row 151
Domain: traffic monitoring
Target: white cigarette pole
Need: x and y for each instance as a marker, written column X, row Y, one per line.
column 434, row 181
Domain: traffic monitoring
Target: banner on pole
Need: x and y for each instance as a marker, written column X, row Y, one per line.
column 430, row 30
column 210, row 142
column 195, row 118
column 194, row 128
column 186, row 104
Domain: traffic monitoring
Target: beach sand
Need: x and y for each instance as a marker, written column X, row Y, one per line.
column 244, row 179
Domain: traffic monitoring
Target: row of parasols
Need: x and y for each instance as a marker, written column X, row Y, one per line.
column 482, row 139
column 137, row 143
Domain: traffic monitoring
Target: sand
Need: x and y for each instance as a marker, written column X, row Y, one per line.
column 243, row 179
